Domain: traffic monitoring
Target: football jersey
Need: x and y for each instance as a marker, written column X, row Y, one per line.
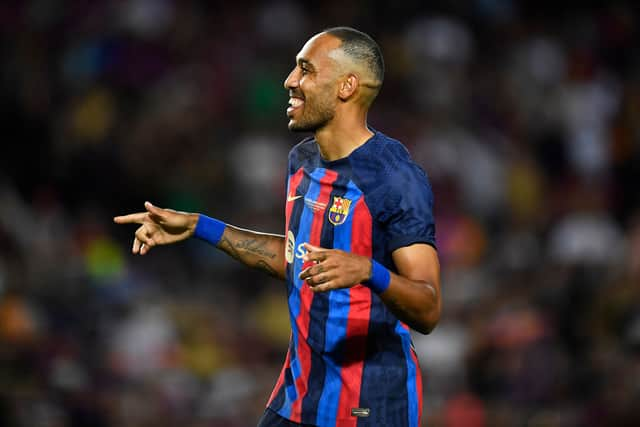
column 350, row 361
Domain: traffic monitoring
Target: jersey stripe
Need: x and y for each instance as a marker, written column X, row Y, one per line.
column 358, row 318
column 321, row 184
column 414, row 358
column 292, row 191
column 413, row 377
column 278, row 397
column 276, row 394
column 298, row 344
column 293, row 209
column 336, row 329
column 321, row 312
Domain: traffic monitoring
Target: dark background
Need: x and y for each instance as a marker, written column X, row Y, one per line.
column 525, row 115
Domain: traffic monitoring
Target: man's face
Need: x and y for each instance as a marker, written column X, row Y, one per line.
column 312, row 85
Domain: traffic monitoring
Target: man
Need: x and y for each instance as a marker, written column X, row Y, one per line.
column 358, row 254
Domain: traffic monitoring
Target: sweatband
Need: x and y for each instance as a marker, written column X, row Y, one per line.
column 380, row 277
column 209, row 229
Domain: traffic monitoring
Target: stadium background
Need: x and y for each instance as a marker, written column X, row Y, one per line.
column 525, row 115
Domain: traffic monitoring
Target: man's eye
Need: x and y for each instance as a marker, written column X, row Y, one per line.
column 305, row 70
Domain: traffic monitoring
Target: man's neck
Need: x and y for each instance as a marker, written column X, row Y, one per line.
column 338, row 141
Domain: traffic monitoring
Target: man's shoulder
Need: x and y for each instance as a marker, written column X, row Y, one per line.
column 384, row 159
column 392, row 182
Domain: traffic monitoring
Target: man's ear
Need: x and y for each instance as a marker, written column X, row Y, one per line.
column 348, row 87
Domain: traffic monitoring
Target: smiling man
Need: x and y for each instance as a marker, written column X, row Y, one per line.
column 358, row 254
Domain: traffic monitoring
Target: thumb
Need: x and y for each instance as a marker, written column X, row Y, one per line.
column 155, row 211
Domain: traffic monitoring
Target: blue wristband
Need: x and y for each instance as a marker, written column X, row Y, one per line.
column 209, row 229
column 380, row 277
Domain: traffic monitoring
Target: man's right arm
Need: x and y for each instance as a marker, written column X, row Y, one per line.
column 159, row 226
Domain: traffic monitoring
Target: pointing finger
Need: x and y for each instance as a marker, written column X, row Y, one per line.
column 134, row 218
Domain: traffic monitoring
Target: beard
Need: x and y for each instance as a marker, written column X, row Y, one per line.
column 314, row 116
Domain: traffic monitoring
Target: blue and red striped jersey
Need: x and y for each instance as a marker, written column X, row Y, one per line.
column 350, row 361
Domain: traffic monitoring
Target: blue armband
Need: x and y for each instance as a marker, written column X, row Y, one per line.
column 209, row 229
column 380, row 278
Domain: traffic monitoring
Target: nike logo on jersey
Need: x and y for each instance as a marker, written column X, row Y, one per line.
column 291, row 198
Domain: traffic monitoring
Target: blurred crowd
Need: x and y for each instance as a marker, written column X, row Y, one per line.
column 525, row 115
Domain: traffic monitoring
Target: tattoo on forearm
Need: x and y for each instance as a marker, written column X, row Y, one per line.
column 226, row 245
column 255, row 247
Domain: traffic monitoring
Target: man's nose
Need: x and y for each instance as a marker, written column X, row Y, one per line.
column 291, row 81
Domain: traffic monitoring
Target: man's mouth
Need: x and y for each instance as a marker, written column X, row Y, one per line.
column 294, row 103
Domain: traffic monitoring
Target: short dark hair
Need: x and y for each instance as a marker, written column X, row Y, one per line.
column 361, row 47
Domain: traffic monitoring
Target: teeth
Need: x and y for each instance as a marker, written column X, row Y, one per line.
column 295, row 102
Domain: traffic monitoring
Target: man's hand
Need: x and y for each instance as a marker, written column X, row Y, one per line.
column 333, row 269
column 413, row 294
column 158, row 227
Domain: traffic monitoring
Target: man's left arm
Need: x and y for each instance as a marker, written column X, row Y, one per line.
column 413, row 294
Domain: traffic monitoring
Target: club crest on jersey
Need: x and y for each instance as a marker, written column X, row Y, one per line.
column 339, row 210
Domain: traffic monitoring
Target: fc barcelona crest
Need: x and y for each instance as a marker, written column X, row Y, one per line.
column 339, row 210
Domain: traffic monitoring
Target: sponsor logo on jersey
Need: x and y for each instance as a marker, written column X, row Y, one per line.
column 339, row 210
column 301, row 251
column 291, row 244
column 291, row 250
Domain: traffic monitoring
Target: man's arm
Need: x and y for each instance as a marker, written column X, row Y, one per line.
column 165, row 226
column 413, row 294
column 257, row 250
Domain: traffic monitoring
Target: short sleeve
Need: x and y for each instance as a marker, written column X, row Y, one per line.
column 407, row 214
